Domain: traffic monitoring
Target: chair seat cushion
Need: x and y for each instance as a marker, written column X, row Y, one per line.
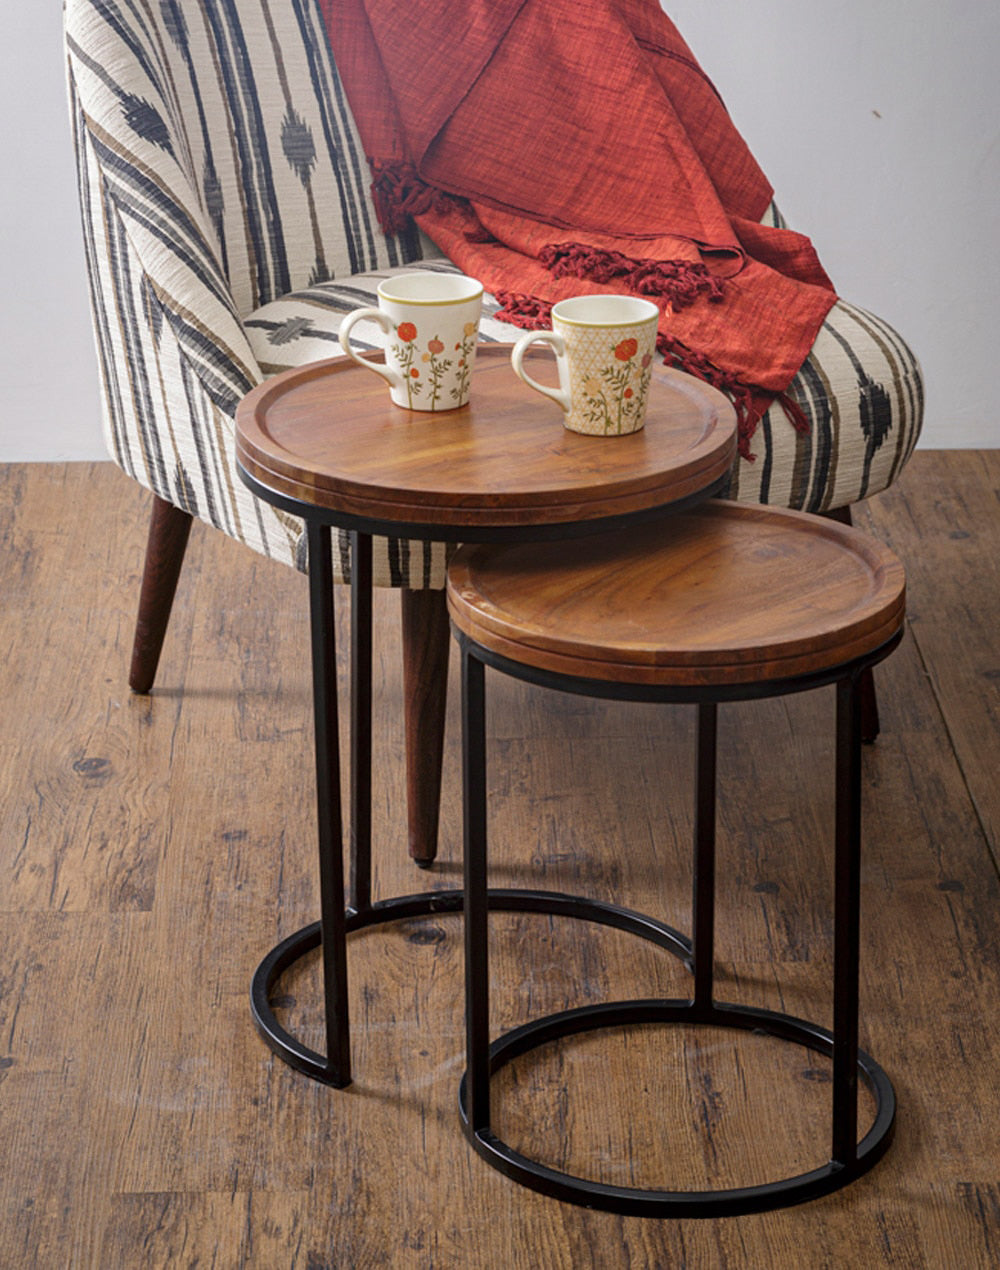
column 303, row 326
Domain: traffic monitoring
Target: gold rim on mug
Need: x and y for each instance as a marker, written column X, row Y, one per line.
column 638, row 311
column 462, row 289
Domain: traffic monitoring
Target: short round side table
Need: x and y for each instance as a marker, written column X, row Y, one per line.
column 722, row 603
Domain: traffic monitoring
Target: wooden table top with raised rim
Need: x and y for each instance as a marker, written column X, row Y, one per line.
column 726, row 593
column 327, row 436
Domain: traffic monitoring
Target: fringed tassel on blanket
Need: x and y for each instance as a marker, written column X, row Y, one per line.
column 680, row 282
column 797, row 417
column 750, row 405
column 399, row 193
column 525, row 311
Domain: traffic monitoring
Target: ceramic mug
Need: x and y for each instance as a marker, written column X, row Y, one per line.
column 604, row 346
column 432, row 324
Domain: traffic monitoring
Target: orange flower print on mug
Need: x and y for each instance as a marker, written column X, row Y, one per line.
column 404, row 352
column 467, row 351
column 438, row 368
column 424, row 315
column 617, row 392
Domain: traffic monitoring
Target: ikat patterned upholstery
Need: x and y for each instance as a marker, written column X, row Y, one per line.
column 229, row 227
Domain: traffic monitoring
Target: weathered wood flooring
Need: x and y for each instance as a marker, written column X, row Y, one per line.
column 152, row 849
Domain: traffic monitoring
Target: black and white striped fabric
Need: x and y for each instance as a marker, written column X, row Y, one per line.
column 229, row 226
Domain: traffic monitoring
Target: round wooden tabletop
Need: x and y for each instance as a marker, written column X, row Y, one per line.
column 724, row 594
column 327, row 436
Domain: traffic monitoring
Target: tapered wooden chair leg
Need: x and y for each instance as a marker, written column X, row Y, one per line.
column 426, row 641
column 169, row 528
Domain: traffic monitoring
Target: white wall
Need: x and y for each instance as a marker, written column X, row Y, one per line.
column 49, row 402
column 878, row 122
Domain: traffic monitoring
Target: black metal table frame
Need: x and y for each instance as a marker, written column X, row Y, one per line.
column 848, row 1158
column 343, row 912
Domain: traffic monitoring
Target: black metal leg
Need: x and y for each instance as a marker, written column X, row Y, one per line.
column 477, row 1001
column 331, row 865
column 361, row 721
column 329, row 933
column 703, row 932
column 847, row 924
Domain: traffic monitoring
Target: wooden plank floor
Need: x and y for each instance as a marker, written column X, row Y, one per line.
column 152, row 849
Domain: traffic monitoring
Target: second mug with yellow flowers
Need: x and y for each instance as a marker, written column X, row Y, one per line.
column 431, row 323
column 604, row 347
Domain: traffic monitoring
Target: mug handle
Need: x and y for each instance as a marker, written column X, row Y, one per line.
column 392, row 377
column 560, row 395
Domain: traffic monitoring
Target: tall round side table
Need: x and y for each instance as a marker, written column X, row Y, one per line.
column 725, row 602
column 325, row 442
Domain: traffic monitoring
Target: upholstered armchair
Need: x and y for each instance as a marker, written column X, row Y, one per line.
column 229, row 227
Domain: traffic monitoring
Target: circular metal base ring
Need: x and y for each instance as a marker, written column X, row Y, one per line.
column 636, row 1202
column 426, row 904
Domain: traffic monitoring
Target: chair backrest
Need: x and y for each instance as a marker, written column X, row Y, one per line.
column 219, row 167
column 227, row 116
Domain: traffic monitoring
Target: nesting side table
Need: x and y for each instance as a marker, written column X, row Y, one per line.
column 725, row 602
column 325, row 443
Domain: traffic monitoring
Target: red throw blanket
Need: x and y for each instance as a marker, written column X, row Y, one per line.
column 557, row 147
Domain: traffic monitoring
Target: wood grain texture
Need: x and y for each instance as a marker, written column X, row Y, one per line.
column 947, row 522
column 152, row 849
column 723, row 594
column 327, row 433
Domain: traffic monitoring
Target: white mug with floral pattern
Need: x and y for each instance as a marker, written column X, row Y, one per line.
column 431, row 321
column 604, row 346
